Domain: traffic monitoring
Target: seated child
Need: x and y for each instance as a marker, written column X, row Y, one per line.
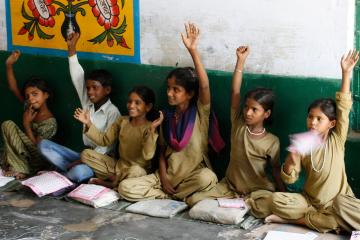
column 21, row 157
column 327, row 202
column 184, row 136
column 252, row 148
column 93, row 91
column 137, row 137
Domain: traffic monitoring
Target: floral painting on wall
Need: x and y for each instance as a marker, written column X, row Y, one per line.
column 109, row 29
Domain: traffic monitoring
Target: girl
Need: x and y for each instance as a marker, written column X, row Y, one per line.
column 137, row 140
column 21, row 157
column 327, row 202
column 184, row 136
column 252, row 148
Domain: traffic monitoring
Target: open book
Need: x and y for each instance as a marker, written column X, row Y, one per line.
column 94, row 195
column 46, row 183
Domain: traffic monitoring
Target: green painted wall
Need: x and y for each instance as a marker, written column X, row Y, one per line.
column 293, row 96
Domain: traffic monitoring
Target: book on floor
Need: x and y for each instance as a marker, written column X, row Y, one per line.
column 94, row 195
column 46, row 183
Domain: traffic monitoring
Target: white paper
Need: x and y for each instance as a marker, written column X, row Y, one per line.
column 47, row 182
column 88, row 191
column 355, row 235
column 276, row 235
column 231, row 203
column 5, row 180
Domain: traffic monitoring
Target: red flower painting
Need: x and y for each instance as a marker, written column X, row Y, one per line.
column 106, row 11
column 43, row 11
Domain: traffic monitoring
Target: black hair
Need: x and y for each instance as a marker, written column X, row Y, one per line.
column 102, row 76
column 148, row 96
column 326, row 105
column 39, row 83
column 187, row 78
column 265, row 97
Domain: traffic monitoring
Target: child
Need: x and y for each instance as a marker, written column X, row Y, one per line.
column 137, row 140
column 327, row 202
column 93, row 92
column 252, row 148
column 21, row 157
column 182, row 168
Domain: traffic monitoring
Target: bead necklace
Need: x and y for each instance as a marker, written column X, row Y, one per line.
column 323, row 163
column 255, row 134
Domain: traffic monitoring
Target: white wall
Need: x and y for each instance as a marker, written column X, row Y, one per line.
column 287, row 37
column 3, row 37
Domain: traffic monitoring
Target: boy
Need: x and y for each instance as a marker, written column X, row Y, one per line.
column 93, row 92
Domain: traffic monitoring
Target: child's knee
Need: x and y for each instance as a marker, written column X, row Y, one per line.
column 206, row 178
column 6, row 126
column 80, row 173
column 125, row 187
column 43, row 145
column 86, row 155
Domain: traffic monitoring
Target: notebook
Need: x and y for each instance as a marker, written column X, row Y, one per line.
column 94, row 195
column 47, row 183
column 231, row 203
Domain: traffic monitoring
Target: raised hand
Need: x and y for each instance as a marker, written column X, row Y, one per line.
column 242, row 52
column 13, row 57
column 191, row 38
column 157, row 122
column 71, row 42
column 348, row 61
column 82, row 116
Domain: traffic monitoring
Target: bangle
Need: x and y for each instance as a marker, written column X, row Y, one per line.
column 238, row 70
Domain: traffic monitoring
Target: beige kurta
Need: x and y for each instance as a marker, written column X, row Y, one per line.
column 186, row 170
column 246, row 171
column 137, row 146
column 322, row 188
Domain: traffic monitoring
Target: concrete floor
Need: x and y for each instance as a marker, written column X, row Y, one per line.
column 26, row 217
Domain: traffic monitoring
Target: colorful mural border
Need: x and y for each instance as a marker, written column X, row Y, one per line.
column 89, row 55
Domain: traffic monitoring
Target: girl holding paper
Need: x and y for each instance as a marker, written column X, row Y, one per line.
column 327, row 202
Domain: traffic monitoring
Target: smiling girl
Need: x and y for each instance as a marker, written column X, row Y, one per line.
column 21, row 156
column 252, row 148
column 328, row 202
column 137, row 137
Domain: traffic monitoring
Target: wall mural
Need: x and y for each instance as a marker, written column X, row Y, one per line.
column 109, row 29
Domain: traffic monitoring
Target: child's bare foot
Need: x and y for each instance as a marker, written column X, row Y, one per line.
column 101, row 182
column 17, row 175
column 275, row 219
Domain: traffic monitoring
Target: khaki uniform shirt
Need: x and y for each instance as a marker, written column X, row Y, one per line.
column 137, row 145
column 249, row 157
column 322, row 187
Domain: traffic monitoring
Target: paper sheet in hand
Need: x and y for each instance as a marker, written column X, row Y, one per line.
column 47, row 183
column 304, row 143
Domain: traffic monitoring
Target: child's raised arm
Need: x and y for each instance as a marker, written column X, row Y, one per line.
column 190, row 40
column 71, row 43
column 348, row 62
column 241, row 52
column 11, row 76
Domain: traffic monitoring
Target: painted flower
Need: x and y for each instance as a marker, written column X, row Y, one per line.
column 43, row 11
column 106, row 11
